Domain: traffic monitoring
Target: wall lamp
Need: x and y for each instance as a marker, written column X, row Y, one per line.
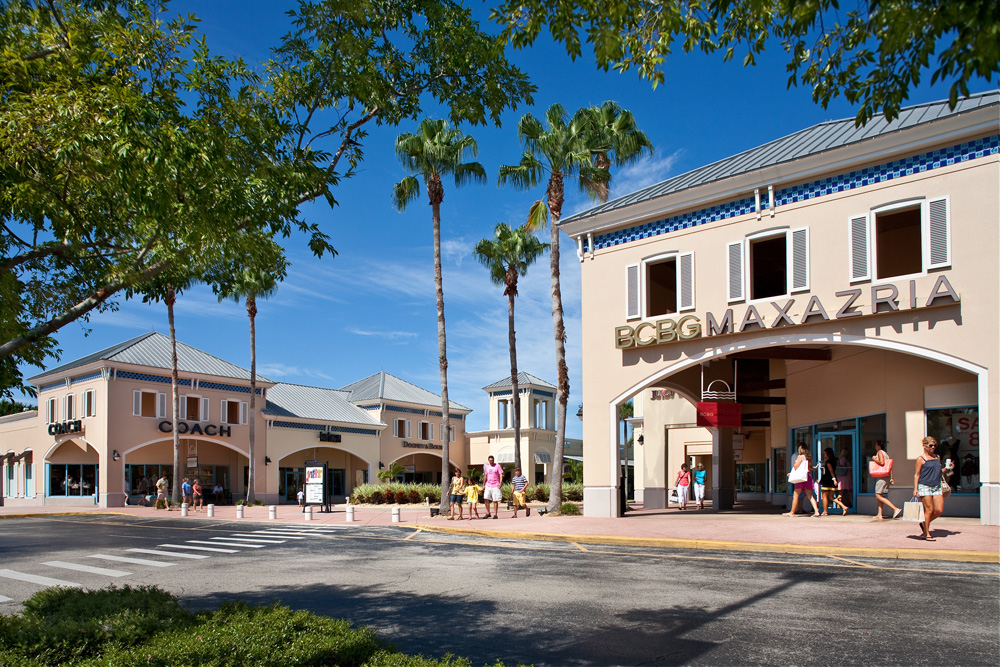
column 115, row 455
column 381, row 465
column 641, row 441
column 267, row 460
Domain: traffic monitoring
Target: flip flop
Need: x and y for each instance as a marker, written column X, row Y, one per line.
column 895, row 515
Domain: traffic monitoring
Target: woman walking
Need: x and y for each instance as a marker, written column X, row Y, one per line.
column 828, row 482
column 699, row 485
column 927, row 485
column 683, row 483
column 803, row 459
column 457, row 495
column 883, row 482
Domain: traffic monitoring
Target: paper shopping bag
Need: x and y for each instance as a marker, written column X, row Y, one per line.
column 913, row 510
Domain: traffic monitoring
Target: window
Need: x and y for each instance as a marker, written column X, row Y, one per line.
column 194, row 408
column 149, row 404
column 451, row 433
column 768, row 265
column 425, row 431
column 233, row 412
column 900, row 239
column 72, row 479
column 51, row 411
column 88, row 403
column 750, row 477
column 402, row 428
column 957, row 433
column 666, row 285
column 541, row 414
column 69, row 406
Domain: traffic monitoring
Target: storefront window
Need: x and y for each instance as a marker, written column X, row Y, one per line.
column 780, row 471
column 871, row 430
column 957, row 433
column 750, row 477
column 72, row 479
column 141, row 477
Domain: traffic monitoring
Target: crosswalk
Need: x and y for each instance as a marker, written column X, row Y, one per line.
column 165, row 555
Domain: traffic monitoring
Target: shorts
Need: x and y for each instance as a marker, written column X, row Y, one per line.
column 492, row 494
column 923, row 490
column 831, row 489
column 806, row 485
column 457, row 498
column 520, row 500
column 882, row 486
column 161, row 495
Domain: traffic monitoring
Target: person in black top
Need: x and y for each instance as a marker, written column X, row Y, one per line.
column 927, row 485
column 828, row 482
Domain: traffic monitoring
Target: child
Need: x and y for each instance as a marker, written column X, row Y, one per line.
column 301, row 495
column 472, row 498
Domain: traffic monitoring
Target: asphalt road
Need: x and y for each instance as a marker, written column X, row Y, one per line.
column 535, row 602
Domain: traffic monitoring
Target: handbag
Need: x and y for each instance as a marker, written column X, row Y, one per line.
column 945, row 487
column 800, row 474
column 876, row 470
column 674, row 498
column 913, row 510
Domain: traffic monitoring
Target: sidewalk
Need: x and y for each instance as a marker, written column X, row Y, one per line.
column 958, row 539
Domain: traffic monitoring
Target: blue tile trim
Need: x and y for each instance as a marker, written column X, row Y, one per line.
column 52, row 385
column 86, row 378
column 544, row 393
column 148, row 377
column 396, row 408
column 502, row 393
column 227, row 387
column 370, row 407
column 855, row 179
column 438, row 414
column 320, row 427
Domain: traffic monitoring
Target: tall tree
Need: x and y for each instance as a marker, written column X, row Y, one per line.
column 614, row 138
column 437, row 150
column 870, row 51
column 507, row 256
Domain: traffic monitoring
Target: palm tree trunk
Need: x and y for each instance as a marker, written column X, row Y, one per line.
column 442, row 355
column 555, row 196
column 515, row 395
column 252, row 468
column 170, row 299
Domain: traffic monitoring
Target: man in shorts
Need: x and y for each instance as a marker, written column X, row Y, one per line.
column 493, row 474
column 518, row 483
column 161, row 492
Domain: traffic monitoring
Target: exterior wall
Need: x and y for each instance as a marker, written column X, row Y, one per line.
column 963, row 336
column 395, row 448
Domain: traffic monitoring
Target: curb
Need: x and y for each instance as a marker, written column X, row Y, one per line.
column 758, row 547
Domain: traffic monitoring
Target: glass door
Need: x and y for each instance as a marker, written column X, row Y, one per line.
column 842, row 445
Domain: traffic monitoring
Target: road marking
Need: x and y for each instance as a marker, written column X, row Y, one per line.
column 580, row 547
column 35, row 579
column 185, row 546
column 87, row 568
column 258, row 536
column 854, row 562
column 137, row 561
column 4, row 598
column 167, row 553
column 226, row 544
column 249, row 539
column 413, row 534
column 278, row 533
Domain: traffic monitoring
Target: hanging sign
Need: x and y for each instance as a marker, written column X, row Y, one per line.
column 719, row 415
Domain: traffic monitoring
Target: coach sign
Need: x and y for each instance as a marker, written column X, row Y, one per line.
column 719, row 415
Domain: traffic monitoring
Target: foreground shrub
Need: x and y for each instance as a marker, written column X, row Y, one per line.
column 572, row 491
column 569, row 509
column 542, row 493
column 365, row 494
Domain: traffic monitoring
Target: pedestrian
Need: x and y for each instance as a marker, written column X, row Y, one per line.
column 493, row 473
column 803, row 459
column 927, row 485
column 186, row 491
column 843, row 473
column 828, row 482
column 196, row 492
column 699, row 484
column 218, row 492
column 883, row 482
column 457, row 494
column 301, row 497
column 683, row 483
column 472, row 497
column 162, row 485
column 518, row 483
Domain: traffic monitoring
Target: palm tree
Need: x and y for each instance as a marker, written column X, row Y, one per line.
column 507, row 256
column 569, row 147
column 433, row 151
column 613, row 133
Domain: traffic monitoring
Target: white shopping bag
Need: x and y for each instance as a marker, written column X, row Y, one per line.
column 913, row 510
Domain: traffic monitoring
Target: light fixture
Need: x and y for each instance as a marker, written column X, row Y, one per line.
column 267, row 460
column 641, row 440
column 381, row 465
column 115, row 455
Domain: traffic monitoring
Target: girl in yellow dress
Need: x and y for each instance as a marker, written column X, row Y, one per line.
column 472, row 498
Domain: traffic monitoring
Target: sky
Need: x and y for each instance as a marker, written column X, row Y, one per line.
column 372, row 307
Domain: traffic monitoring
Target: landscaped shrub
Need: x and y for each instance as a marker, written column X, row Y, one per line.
column 163, row 504
column 414, row 497
column 401, row 493
column 542, row 493
column 505, row 491
column 572, row 491
column 376, row 498
column 389, row 496
column 569, row 509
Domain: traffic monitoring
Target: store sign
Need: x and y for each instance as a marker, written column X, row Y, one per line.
column 719, row 415
column 325, row 436
column 314, row 485
column 197, row 429
column 885, row 298
column 65, row 428
column 422, row 445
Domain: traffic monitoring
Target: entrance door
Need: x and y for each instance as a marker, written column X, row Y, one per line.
column 290, row 482
column 842, row 444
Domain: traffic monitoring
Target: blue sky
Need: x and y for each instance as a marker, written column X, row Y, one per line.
column 371, row 308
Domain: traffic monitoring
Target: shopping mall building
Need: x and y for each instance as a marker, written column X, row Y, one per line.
column 833, row 287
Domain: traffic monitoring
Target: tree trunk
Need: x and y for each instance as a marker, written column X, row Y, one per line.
column 515, row 396
column 170, row 299
column 436, row 194
column 252, row 468
column 555, row 201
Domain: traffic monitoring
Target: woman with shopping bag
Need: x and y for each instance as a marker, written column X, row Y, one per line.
column 927, row 485
column 803, row 480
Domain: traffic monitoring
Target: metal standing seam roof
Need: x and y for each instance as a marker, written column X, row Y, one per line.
column 153, row 350
column 522, row 379
column 383, row 386
column 316, row 403
column 819, row 138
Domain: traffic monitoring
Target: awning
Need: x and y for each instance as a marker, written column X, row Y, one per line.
column 505, row 455
column 543, row 457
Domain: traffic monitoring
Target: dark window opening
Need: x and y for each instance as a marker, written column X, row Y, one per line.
column 897, row 243
column 768, row 268
column 661, row 288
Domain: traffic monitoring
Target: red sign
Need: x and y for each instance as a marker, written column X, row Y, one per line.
column 719, row 415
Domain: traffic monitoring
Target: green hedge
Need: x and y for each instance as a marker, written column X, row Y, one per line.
column 395, row 493
column 133, row 627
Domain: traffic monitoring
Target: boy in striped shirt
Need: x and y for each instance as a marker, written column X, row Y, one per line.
column 518, row 482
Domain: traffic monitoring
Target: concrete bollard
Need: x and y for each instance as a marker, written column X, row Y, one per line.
column 350, row 513
column 272, row 512
column 239, row 511
column 395, row 514
column 309, row 513
column 184, row 509
column 211, row 511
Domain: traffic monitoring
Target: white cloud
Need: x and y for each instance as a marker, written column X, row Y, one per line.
column 276, row 370
column 390, row 335
column 647, row 171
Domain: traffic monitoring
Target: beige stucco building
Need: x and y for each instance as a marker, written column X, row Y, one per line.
column 842, row 282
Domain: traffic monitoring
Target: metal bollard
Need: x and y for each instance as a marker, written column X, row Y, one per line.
column 350, row 513
column 272, row 512
column 211, row 511
column 395, row 514
column 239, row 511
column 309, row 513
column 184, row 509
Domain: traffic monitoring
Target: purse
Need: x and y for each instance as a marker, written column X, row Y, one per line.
column 800, row 474
column 876, row 470
column 913, row 510
column 945, row 487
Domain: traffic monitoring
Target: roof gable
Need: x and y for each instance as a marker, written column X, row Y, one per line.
column 522, row 380
column 383, row 386
column 316, row 403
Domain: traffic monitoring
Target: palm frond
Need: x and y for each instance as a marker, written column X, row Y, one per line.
column 405, row 192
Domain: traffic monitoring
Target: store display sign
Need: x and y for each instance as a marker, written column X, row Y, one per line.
column 314, row 484
column 719, row 415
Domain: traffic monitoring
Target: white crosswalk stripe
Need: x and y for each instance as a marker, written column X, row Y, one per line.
column 137, row 561
column 249, row 539
column 227, row 544
column 87, row 568
column 273, row 533
column 168, row 553
column 188, row 546
column 4, row 598
column 35, row 579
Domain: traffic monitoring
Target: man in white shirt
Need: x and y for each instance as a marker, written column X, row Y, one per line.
column 493, row 474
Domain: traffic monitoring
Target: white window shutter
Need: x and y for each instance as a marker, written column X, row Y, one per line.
column 67, row 406
column 182, row 407
column 204, row 409
column 407, row 428
column 161, row 405
column 136, row 403
column 685, row 280
column 860, row 249
column 223, row 411
column 734, row 265
column 799, row 259
column 632, row 292
column 430, row 433
column 938, row 234
column 48, row 412
column 244, row 410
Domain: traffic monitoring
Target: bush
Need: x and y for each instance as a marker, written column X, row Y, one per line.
column 573, row 491
column 569, row 509
column 542, row 493
column 413, row 496
column 506, row 492
column 375, row 498
column 401, row 493
column 163, row 504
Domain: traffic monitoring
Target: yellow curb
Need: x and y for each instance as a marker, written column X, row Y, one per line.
column 759, row 547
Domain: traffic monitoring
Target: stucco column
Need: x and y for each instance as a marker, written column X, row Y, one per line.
column 723, row 470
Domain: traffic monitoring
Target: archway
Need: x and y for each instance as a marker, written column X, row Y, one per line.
column 347, row 471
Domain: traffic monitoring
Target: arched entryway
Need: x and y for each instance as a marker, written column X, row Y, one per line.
column 219, row 466
column 346, row 472
column 72, row 472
